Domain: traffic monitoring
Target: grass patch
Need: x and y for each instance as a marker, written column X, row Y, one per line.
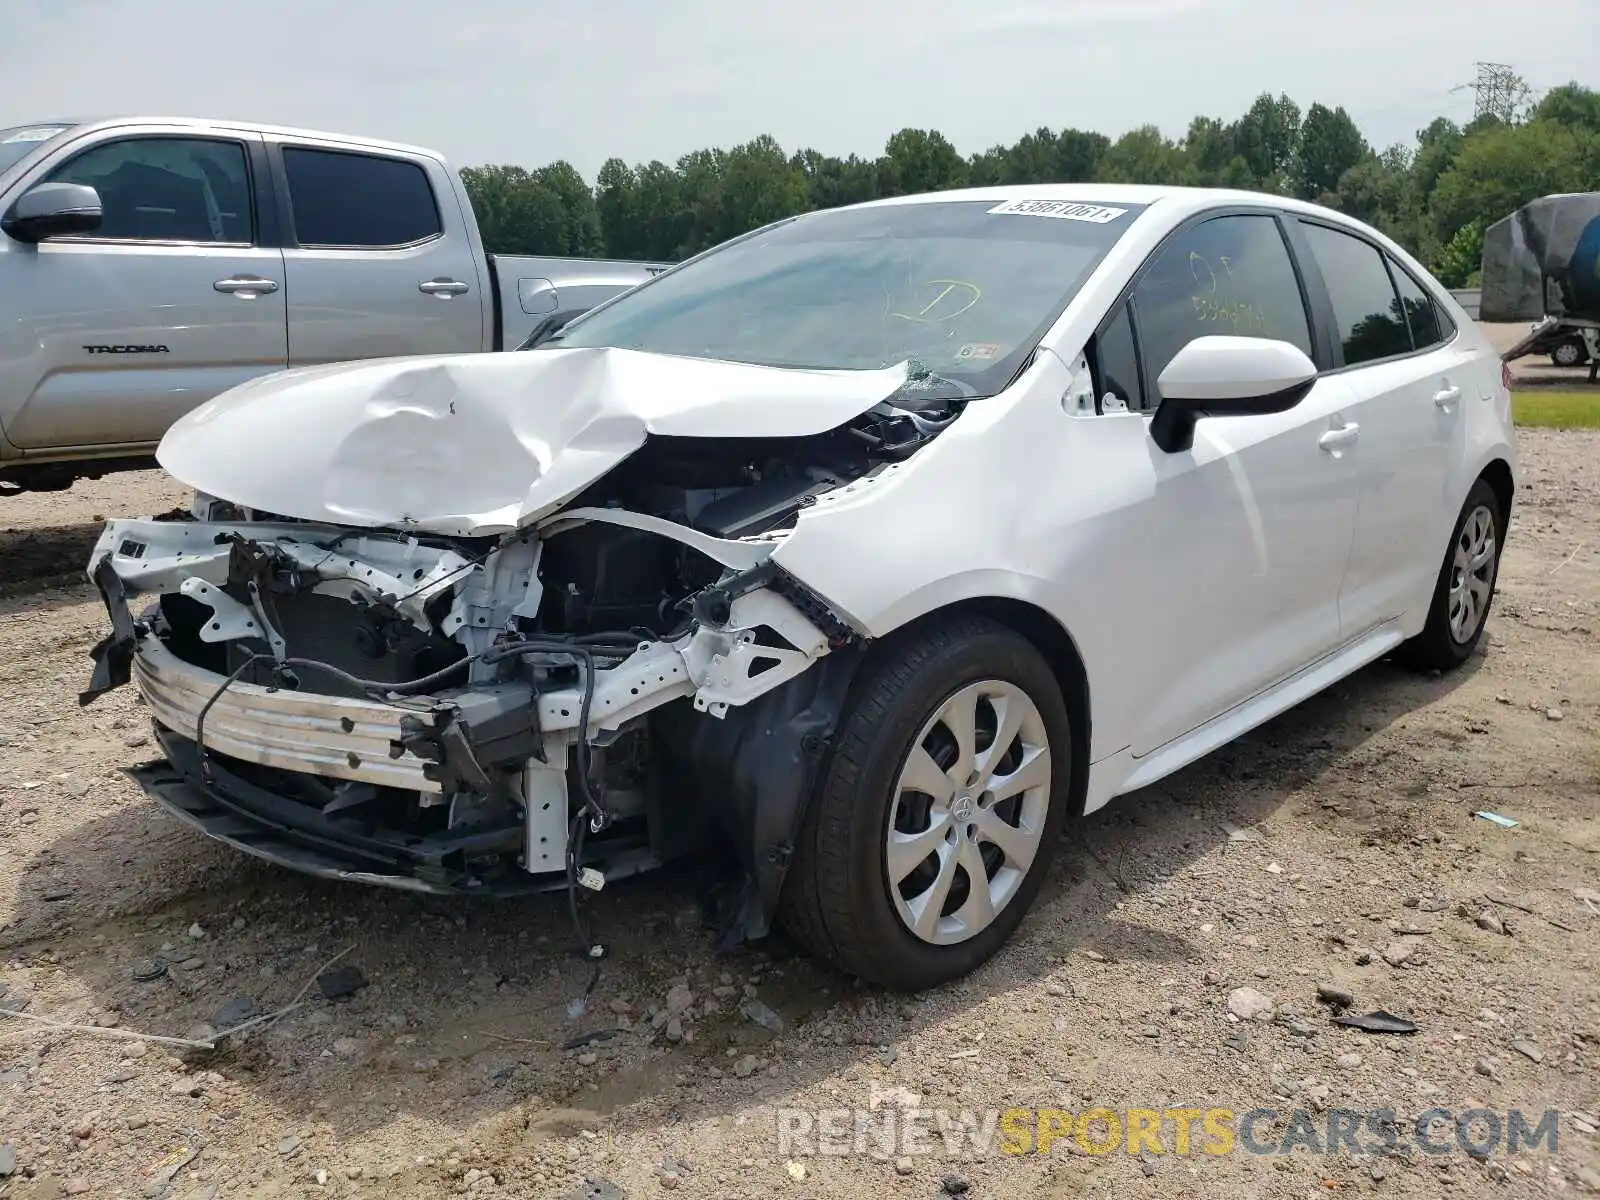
column 1556, row 410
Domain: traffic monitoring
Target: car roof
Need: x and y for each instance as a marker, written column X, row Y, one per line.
column 1175, row 201
column 1164, row 206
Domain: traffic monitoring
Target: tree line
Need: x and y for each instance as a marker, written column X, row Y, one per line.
column 1435, row 197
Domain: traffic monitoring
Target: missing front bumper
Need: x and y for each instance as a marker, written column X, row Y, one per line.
column 715, row 735
column 250, row 819
column 228, row 803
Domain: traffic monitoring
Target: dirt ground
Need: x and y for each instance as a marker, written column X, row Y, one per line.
column 1311, row 852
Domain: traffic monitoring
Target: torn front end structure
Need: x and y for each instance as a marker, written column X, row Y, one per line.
column 581, row 696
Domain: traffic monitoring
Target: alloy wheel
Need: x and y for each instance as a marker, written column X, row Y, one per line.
column 968, row 813
column 1472, row 573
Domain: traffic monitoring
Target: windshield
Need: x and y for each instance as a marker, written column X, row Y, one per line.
column 21, row 140
column 963, row 289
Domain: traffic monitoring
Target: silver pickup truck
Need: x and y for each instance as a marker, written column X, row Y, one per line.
column 148, row 264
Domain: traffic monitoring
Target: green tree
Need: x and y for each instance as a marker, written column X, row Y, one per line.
column 1434, row 197
column 922, row 160
column 516, row 213
column 1078, row 154
column 1462, row 256
column 831, row 181
column 1209, row 146
column 1437, row 148
column 1570, row 104
column 660, row 212
column 1267, row 137
column 758, row 184
column 1143, row 155
column 581, row 226
column 1330, row 144
column 616, row 198
column 1502, row 167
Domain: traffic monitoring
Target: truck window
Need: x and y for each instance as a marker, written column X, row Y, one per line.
column 166, row 189
column 359, row 201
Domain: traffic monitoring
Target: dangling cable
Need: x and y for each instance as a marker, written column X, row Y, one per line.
column 200, row 719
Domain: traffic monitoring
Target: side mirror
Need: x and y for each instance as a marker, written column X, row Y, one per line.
column 1227, row 377
column 53, row 209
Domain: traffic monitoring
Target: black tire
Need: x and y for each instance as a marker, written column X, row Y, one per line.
column 1570, row 353
column 836, row 899
column 1437, row 647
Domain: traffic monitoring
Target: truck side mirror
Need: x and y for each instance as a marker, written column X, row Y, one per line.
column 51, row 210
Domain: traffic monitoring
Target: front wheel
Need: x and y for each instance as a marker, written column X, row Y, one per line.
column 1465, row 585
column 939, row 810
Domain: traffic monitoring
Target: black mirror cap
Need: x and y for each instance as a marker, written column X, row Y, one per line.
column 53, row 210
column 1172, row 427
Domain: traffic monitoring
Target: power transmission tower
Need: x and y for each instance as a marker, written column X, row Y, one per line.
column 1499, row 91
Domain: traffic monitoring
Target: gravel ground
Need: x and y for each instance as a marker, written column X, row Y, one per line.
column 1296, row 857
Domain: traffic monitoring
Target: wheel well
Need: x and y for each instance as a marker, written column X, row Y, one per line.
column 1055, row 645
column 1498, row 476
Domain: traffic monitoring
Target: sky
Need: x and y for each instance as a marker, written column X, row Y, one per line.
column 531, row 81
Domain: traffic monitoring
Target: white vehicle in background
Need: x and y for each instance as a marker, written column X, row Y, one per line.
column 864, row 550
column 150, row 264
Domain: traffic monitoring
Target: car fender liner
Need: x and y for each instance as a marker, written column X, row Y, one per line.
column 754, row 771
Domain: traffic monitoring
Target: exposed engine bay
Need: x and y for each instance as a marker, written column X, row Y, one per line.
column 618, row 683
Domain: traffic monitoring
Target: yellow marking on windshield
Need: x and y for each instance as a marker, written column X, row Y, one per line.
column 945, row 289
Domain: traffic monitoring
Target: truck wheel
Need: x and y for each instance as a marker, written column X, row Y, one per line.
column 1570, row 353
column 938, row 811
column 1465, row 588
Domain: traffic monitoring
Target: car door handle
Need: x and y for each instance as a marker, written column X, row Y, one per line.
column 246, row 287
column 1335, row 439
column 1444, row 399
column 442, row 288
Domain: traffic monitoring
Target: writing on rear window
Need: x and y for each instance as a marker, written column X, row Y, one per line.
column 1064, row 210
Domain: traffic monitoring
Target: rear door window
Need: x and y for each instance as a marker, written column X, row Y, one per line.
column 351, row 201
column 1371, row 324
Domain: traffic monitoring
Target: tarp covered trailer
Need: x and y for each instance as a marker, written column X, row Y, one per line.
column 1542, row 264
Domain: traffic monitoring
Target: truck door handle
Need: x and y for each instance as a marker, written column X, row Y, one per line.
column 442, row 288
column 1444, row 399
column 1336, row 439
column 246, row 287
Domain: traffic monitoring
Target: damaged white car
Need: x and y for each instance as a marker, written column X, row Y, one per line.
column 860, row 552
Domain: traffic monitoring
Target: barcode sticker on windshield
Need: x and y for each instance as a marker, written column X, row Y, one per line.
column 1064, row 210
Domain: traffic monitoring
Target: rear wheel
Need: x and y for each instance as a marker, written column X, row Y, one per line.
column 939, row 810
column 1570, row 353
column 1465, row 586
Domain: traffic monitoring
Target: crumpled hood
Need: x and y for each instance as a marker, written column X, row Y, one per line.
column 482, row 443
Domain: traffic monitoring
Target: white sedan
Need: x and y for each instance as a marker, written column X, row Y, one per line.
column 854, row 555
